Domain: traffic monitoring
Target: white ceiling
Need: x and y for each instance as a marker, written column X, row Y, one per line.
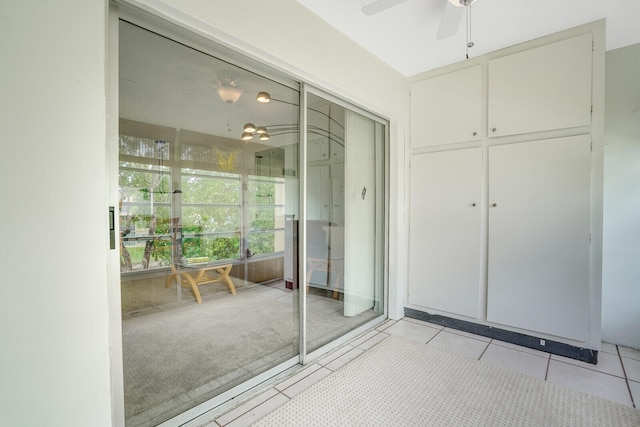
column 404, row 35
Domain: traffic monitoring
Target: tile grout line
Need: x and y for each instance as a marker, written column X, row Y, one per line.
column 435, row 335
column 254, row 407
column 486, row 348
column 335, row 358
column 367, row 349
column 593, row 370
column 546, row 374
column 626, row 379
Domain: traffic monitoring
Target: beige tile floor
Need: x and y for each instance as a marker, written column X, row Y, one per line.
column 616, row 377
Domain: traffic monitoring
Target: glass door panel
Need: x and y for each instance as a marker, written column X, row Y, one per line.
column 345, row 211
column 207, row 282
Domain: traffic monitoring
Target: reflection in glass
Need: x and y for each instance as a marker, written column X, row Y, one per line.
column 202, row 216
column 345, row 196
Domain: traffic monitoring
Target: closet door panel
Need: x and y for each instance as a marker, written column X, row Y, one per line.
column 445, row 233
column 539, row 225
column 539, row 89
column 447, row 109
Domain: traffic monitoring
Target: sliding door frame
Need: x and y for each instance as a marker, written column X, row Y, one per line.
column 121, row 9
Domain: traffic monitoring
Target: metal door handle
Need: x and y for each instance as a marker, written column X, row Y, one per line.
column 364, row 192
column 112, row 227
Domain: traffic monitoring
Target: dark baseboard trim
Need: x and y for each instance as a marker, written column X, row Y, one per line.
column 553, row 347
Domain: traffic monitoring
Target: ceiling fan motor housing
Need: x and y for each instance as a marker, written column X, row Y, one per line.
column 462, row 3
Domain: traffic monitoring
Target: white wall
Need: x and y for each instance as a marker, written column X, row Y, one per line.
column 298, row 42
column 54, row 358
column 621, row 246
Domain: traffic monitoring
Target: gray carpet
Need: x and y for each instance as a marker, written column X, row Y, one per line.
column 180, row 356
column 403, row 383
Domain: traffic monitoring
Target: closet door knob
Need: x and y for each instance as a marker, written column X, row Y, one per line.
column 494, row 205
column 473, row 205
column 475, row 133
column 493, row 129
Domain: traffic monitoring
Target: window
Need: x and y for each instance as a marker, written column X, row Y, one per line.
column 266, row 215
column 201, row 215
column 145, row 194
column 210, row 214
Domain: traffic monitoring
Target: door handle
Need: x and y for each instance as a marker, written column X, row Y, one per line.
column 364, row 192
column 112, row 227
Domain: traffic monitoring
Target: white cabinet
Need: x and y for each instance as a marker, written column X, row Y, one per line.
column 538, row 234
column 527, row 256
column 447, row 109
column 445, row 239
column 539, row 227
column 543, row 88
column 318, row 150
column 318, row 192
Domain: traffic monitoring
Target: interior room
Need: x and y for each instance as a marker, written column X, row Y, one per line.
column 262, row 194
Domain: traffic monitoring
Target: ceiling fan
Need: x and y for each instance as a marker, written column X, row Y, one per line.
column 449, row 23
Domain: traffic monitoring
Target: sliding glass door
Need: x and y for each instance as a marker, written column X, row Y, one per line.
column 208, row 177
column 344, row 224
column 217, row 294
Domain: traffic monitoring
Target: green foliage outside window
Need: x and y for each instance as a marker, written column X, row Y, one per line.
column 210, row 204
column 261, row 243
column 161, row 251
column 214, row 248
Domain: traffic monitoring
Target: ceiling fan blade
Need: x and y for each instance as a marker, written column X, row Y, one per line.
column 379, row 5
column 450, row 21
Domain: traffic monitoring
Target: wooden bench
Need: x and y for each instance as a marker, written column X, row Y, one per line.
column 186, row 280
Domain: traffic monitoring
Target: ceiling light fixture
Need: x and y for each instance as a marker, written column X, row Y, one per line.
column 228, row 89
column 229, row 95
column 461, row 3
column 264, row 133
column 263, row 97
column 250, row 130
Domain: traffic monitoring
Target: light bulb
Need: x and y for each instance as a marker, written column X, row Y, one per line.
column 263, row 97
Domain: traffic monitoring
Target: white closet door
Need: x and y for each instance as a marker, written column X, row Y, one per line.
column 447, row 109
column 445, row 239
column 545, row 88
column 539, row 236
column 360, row 213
